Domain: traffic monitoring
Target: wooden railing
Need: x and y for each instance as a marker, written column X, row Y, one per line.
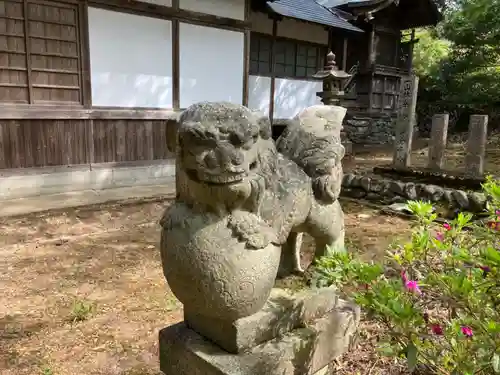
column 350, row 84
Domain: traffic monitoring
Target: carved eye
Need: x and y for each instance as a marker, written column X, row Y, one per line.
column 236, row 139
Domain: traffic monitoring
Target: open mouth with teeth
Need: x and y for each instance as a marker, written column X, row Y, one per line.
column 220, row 178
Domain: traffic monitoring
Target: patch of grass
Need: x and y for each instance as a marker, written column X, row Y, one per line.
column 81, row 311
column 292, row 283
column 352, row 245
column 46, row 371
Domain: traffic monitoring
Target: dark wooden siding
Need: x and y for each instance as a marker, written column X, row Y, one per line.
column 45, row 143
column 41, row 143
column 40, row 59
column 129, row 140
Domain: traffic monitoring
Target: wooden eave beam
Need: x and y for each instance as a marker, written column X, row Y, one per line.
column 373, row 8
column 159, row 11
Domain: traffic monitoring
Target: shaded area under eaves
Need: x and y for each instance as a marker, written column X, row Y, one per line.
column 311, row 11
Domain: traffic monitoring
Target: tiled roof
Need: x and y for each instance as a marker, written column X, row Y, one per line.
column 310, row 10
column 336, row 3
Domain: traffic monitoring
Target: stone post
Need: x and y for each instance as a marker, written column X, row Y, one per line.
column 476, row 146
column 437, row 145
column 405, row 121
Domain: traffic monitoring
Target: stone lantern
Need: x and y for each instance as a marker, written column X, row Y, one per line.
column 333, row 81
column 333, row 91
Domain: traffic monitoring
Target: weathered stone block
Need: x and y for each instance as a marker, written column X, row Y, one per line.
column 433, row 193
column 357, row 193
column 282, row 313
column 411, row 191
column 348, row 179
column 477, row 201
column 365, row 183
column 304, row 350
column 397, row 187
column 438, row 138
column 461, row 198
column 448, row 197
column 377, row 186
column 476, row 146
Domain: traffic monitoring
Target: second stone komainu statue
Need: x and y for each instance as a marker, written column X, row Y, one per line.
column 242, row 203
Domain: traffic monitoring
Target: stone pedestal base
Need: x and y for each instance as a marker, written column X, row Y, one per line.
column 305, row 349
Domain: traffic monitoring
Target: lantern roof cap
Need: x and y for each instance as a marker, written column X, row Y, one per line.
column 331, row 69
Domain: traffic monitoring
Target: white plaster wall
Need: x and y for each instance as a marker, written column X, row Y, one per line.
column 211, row 65
column 294, row 29
column 222, row 8
column 261, row 23
column 130, row 60
column 166, row 3
column 259, row 94
column 292, row 96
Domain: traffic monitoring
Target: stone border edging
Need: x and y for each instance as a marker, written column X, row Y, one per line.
column 390, row 191
column 451, row 179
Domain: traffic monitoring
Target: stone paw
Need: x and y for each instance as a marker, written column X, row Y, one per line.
column 251, row 229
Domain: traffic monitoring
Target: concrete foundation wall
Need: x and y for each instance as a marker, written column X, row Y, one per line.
column 46, row 181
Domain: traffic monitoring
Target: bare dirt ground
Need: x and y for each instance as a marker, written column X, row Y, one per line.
column 100, row 267
column 83, row 290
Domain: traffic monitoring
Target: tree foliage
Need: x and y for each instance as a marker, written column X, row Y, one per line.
column 459, row 61
column 429, row 52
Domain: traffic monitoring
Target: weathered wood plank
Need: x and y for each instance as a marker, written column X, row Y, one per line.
column 4, row 145
column 48, row 143
column 16, row 146
column 43, row 143
column 129, row 140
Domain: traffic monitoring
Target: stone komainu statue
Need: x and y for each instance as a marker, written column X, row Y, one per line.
column 242, row 202
column 312, row 140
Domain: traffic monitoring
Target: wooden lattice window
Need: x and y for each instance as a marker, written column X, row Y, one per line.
column 385, row 93
column 40, row 59
column 284, row 58
column 260, row 54
column 308, row 60
column 295, row 59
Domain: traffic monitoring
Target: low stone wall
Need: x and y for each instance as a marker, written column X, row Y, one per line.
column 369, row 129
column 59, row 180
column 390, row 191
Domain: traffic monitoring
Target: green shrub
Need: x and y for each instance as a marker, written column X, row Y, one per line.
column 437, row 296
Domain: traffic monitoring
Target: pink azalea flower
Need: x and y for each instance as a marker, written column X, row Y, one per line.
column 437, row 329
column 440, row 236
column 467, row 331
column 413, row 287
column 446, row 226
